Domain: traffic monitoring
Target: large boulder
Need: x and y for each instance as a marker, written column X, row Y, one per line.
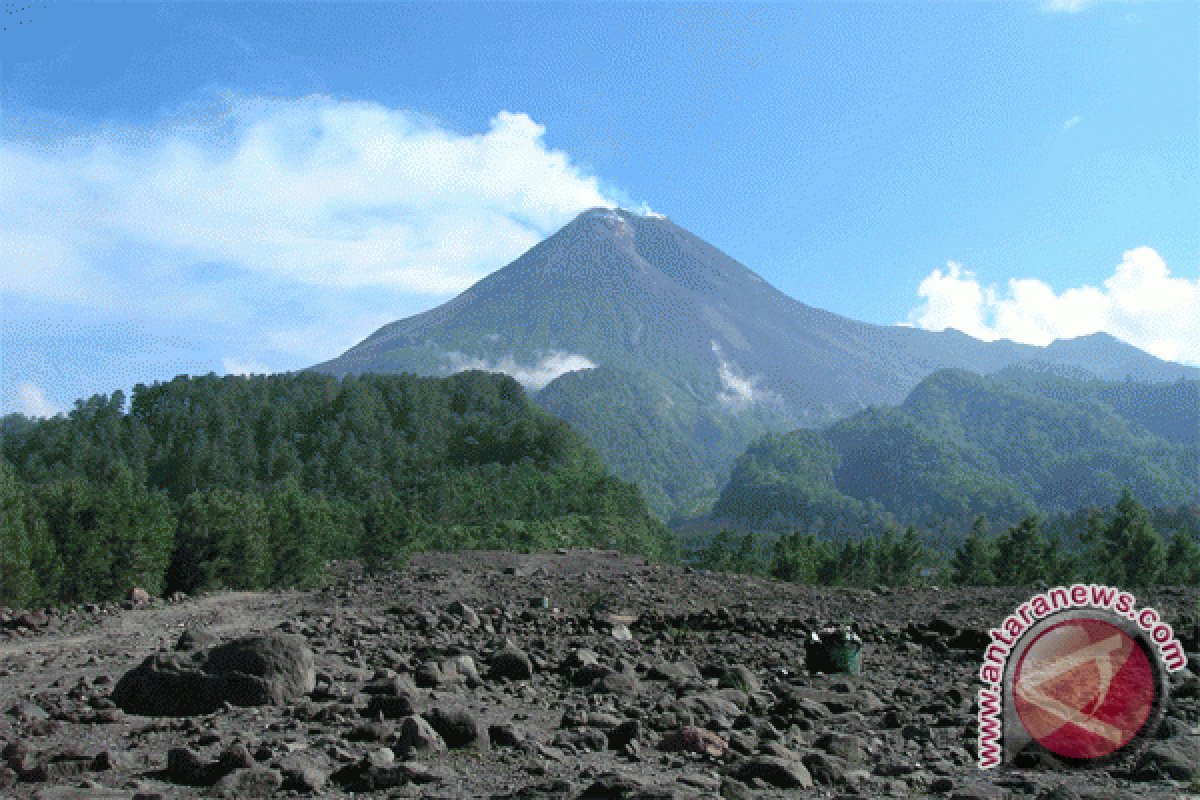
column 167, row 685
column 283, row 662
column 275, row 669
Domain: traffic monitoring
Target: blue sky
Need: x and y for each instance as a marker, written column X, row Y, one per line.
column 229, row 187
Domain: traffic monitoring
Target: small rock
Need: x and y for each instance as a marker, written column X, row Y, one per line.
column 138, row 597
column 740, row 677
column 252, row 782
column 735, row 790
column 185, row 766
column 775, row 772
column 694, row 740
column 195, row 640
column 625, row 733
column 108, row 759
column 374, row 731
column 304, row 777
column 236, row 756
column 505, row 735
column 611, row 786
column 391, row 706
column 419, row 735
column 510, row 662
column 458, row 728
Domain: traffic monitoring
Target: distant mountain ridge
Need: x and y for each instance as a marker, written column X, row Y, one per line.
column 718, row 355
column 1021, row 440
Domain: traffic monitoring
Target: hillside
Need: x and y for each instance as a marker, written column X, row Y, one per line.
column 246, row 482
column 1025, row 439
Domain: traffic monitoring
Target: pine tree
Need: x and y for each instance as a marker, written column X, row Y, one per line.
column 131, row 527
column 69, row 509
column 1183, row 561
column 296, row 529
column 221, row 542
column 801, row 558
column 906, row 556
column 745, row 558
column 1022, row 554
column 972, row 563
column 16, row 573
column 46, row 563
column 717, row 555
column 1127, row 550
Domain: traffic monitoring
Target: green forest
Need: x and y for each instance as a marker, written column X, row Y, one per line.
column 1122, row 545
column 1035, row 473
column 248, row 482
column 1021, row 442
column 237, row 482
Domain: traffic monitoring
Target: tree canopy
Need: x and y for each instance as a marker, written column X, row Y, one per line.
column 252, row 481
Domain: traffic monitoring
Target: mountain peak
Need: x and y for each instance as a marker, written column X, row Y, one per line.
column 613, row 216
column 603, row 221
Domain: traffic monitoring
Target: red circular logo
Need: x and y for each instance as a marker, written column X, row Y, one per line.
column 1083, row 688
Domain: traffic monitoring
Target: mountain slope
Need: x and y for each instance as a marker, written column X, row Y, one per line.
column 642, row 295
column 1026, row 438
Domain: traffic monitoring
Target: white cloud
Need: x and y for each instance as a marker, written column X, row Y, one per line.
column 1070, row 6
column 234, row 366
column 740, row 392
column 33, row 402
column 298, row 224
column 1141, row 303
column 645, row 211
column 312, row 191
column 1071, row 123
column 548, row 367
column 324, row 219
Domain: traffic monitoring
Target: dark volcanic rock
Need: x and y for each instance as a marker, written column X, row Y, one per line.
column 458, row 728
column 391, row 706
column 168, row 684
column 712, row 696
column 509, row 662
column 254, row 671
column 418, row 734
column 776, row 772
column 195, row 640
column 283, row 662
column 249, row 782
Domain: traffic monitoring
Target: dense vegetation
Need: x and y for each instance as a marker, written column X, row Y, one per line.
column 676, row 451
column 637, row 433
column 1024, row 441
column 249, row 482
column 1124, row 545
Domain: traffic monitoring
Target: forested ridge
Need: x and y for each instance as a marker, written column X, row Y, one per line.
column 1020, row 442
column 1035, row 473
column 247, row 482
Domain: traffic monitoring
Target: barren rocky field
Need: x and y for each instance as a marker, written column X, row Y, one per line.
column 575, row 674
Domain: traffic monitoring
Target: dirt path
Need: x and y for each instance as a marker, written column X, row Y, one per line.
column 139, row 632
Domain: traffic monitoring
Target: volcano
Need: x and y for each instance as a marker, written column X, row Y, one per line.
column 673, row 356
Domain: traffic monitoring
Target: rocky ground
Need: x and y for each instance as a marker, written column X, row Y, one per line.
column 576, row 674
